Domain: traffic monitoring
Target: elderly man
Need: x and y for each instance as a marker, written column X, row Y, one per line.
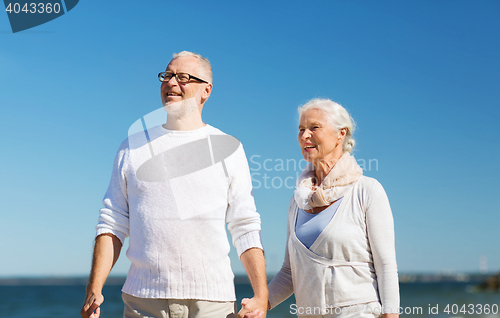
column 173, row 188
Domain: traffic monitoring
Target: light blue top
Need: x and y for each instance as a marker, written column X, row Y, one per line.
column 309, row 226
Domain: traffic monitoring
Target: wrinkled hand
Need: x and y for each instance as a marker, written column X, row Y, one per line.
column 253, row 308
column 91, row 305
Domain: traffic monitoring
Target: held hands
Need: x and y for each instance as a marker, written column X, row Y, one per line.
column 253, row 308
column 91, row 305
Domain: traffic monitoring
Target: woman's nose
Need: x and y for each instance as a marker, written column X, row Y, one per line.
column 306, row 134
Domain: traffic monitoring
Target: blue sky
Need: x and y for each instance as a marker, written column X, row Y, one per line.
column 421, row 79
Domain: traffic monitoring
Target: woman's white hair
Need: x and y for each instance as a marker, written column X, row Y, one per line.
column 337, row 116
column 204, row 64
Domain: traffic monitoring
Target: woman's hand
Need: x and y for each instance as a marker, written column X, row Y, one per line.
column 257, row 313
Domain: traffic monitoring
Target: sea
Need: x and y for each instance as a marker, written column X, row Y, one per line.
column 63, row 298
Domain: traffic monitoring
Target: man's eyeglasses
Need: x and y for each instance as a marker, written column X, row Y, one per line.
column 180, row 77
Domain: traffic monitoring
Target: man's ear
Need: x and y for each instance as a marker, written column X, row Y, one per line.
column 205, row 94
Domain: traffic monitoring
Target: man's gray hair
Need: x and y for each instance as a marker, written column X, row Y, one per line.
column 337, row 116
column 204, row 64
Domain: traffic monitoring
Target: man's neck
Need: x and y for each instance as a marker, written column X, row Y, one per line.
column 190, row 121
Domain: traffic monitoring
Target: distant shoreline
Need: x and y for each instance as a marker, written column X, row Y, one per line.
column 473, row 278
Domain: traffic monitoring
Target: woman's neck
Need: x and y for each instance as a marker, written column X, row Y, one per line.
column 324, row 166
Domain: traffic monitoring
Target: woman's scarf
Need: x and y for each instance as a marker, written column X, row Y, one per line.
column 345, row 172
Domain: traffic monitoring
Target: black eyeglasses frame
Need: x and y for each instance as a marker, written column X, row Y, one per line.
column 190, row 77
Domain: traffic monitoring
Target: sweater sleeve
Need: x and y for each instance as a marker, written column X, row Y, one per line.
column 380, row 227
column 281, row 286
column 113, row 217
column 243, row 221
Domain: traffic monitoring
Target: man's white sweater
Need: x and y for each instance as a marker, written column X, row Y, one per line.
column 176, row 223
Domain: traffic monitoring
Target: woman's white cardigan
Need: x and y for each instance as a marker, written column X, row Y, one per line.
column 353, row 261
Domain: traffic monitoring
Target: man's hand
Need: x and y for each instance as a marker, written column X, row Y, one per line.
column 255, row 265
column 106, row 251
column 246, row 311
column 90, row 308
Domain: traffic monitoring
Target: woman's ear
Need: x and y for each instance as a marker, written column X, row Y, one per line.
column 342, row 133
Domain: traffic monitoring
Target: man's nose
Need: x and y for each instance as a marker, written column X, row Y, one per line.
column 172, row 78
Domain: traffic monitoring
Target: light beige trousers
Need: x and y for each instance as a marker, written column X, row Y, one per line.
column 369, row 310
column 176, row 308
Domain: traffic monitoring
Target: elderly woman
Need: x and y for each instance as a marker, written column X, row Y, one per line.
column 340, row 258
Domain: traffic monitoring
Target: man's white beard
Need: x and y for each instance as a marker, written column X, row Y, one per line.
column 182, row 108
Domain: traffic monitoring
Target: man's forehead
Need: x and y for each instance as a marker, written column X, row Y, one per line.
column 184, row 63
